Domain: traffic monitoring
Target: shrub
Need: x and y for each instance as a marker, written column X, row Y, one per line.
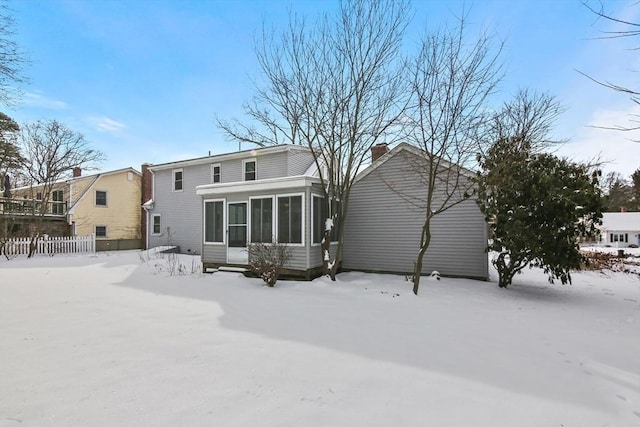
column 268, row 259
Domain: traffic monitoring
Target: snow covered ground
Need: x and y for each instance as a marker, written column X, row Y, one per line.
column 114, row 340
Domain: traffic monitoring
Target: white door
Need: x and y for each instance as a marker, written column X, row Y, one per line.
column 237, row 232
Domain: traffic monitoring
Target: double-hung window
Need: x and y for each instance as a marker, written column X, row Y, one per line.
column 101, row 231
column 215, row 173
column 101, row 198
column 262, row 220
column 177, row 177
column 155, row 224
column 57, row 208
column 250, row 171
column 214, row 221
column 290, row 219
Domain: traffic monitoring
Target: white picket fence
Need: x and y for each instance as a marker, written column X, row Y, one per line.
column 50, row 245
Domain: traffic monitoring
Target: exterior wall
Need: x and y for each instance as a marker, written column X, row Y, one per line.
column 382, row 230
column 121, row 216
column 181, row 212
column 633, row 237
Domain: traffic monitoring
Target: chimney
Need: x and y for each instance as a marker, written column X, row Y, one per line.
column 77, row 172
column 146, row 195
column 623, row 209
column 378, row 151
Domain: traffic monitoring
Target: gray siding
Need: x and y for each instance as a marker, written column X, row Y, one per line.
column 298, row 162
column 382, row 230
column 181, row 211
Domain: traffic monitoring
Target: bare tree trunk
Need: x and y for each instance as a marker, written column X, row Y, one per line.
column 425, row 239
column 329, row 267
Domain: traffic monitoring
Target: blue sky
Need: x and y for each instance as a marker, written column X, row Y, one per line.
column 143, row 80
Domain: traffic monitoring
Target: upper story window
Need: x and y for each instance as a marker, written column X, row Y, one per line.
column 101, row 198
column 250, row 170
column 215, row 173
column 177, row 175
column 57, row 207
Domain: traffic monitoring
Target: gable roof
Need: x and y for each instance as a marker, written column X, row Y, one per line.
column 623, row 221
column 403, row 146
column 229, row 156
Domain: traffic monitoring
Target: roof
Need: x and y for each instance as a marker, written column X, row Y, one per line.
column 229, row 156
column 403, row 146
column 623, row 221
column 78, row 178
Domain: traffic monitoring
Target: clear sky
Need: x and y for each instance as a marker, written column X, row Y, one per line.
column 144, row 79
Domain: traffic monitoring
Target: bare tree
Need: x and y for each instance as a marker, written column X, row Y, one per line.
column 51, row 151
column 335, row 86
column 451, row 81
column 12, row 59
column 627, row 29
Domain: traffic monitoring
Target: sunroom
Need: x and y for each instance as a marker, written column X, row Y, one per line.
column 288, row 210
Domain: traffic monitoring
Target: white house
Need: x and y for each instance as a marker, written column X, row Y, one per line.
column 620, row 229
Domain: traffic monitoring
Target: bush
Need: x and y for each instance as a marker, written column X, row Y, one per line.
column 268, row 259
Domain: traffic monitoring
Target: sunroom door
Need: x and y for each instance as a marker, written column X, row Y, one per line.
column 237, row 231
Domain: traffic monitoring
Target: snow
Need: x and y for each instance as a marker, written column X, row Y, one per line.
column 328, row 224
column 113, row 339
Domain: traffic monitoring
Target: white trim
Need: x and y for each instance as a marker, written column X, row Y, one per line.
column 213, row 166
column 173, row 180
column 152, row 233
column 273, row 215
column 271, row 185
column 224, row 222
column 302, row 222
column 244, row 169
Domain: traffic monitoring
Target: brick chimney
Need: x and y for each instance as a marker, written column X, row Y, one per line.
column 147, row 194
column 378, row 151
column 77, row 172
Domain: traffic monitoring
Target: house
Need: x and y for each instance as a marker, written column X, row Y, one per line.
column 106, row 204
column 215, row 205
column 384, row 223
column 620, row 229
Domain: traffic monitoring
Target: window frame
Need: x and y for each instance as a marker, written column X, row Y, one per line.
column 273, row 217
column 57, row 206
column 153, row 224
column 213, row 174
column 244, row 169
column 95, row 198
column 302, row 216
column 173, row 180
column 106, row 231
column 224, row 222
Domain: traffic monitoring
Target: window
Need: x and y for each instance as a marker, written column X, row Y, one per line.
column 177, row 179
column 101, row 198
column 319, row 217
column 57, row 208
column 155, row 224
column 262, row 220
column 249, row 170
column 38, row 196
column 290, row 219
column 215, row 173
column 214, row 221
column 101, row 231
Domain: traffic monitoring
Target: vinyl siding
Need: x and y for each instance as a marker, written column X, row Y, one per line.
column 382, row 230
column 298, row 162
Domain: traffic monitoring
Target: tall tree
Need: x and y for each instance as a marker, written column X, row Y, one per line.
column 618, row 192
column 635, row 190
column 335, row 86
column 451, row 79
column 10, row 157
column 51, row 151
column 12, row 59
column 625, row 29
column 537, row 206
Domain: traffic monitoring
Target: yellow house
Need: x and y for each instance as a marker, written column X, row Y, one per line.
column 105, row 204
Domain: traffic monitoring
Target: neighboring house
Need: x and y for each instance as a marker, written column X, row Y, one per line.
column 383, row 227
column 216, row 205
column 620, row 229
column 105, row 204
